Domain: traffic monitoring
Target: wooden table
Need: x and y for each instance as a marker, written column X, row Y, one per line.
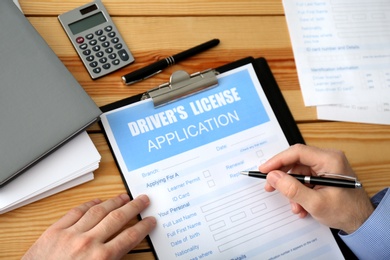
column 159, row 28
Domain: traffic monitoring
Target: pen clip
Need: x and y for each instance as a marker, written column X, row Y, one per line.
column 138, row 80
column 335, row 175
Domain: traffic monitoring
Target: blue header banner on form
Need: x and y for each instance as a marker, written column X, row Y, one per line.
column 145, row 134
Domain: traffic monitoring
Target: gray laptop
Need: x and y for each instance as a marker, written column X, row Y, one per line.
column 41, row 104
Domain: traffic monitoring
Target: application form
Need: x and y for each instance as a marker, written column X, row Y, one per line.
column 187, row 157
column 342, row 54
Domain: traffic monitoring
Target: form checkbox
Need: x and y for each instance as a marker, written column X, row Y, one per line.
column 206, row 174
column 260, row 153
column 211, row 183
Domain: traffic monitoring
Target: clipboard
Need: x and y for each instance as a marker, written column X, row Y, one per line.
column 166, row 179
column 266, row 78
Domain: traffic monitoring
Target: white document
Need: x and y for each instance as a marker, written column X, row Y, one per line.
column 16, row 2
column 70, row 165
column 364, row 112
column 342, row 53
column 187, row 157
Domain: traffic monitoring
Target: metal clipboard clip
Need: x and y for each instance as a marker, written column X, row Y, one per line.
column 180, row 85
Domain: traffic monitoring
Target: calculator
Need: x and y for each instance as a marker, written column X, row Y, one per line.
column 96, row 39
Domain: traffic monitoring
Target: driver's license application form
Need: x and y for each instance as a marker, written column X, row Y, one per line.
column 187, row 157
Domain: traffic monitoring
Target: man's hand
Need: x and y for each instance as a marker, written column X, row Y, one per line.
column 94, row 231
column 340, row 208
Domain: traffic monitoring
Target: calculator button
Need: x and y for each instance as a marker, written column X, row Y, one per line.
column 102, row 38
column 115, row 62
column 106, row 66
column 103, row 60
column 115, row 40
column 105, row 44
column 89, row 36
column 109, row 50
column 108, row 28
column 123, row 55
column 87, row 52
column 97, row 70
column 99, row 32
column 93, row 64
column 99, row 54
column 93, row 42
column 111, row 34
column 112, row 56
column 83, row 46
column 96, row 48
column 90, row 58
column 79, row 40
column 118, row 46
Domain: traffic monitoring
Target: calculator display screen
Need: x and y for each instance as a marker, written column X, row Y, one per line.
column 87, row 23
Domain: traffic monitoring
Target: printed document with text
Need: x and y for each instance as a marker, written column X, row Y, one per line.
column 342, row 54
column 187, row 157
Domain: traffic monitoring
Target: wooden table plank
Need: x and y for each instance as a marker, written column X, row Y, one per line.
column 240, row 40
column 156, row 34
column 161, row 7
column 366, row 146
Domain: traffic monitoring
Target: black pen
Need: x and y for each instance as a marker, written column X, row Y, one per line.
column 335, row 182
column 158, row 66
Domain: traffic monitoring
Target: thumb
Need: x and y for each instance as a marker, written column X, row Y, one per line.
column 290, row 187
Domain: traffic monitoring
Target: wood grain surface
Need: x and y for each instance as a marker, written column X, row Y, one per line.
column 159, row 28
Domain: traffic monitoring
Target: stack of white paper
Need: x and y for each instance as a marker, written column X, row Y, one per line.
column 67, row 167
column 342, row 54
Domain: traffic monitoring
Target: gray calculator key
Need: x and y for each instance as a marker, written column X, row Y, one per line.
column 87, row 52
column 93, row 64
column 97, row 70
column 123, row 55
column 83, row 46
column 90, row 58
column 99, row 54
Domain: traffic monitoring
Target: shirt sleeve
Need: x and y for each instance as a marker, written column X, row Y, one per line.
column 372, row 239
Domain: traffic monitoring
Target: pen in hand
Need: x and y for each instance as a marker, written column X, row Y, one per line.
column 158, row 66
column 334, row 182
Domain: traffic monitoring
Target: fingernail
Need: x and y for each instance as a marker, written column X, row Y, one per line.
column 97, row 201
column 144, row 198
column 262, row 165
column 294, row 208
column 125, row 197
column 153, row 220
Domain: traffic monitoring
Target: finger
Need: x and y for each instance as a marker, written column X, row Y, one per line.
column 296, row 154
column 131, row 237
column 291, row 188
column 118, row 218
column 297, row 169
column 75, row 214
column 268, row 187
column 269, row 166
column 301, row 169
column 298, row 209
column 319, row 160
column 98, row 212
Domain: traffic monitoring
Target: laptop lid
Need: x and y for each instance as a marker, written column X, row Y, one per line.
column 41, row 104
